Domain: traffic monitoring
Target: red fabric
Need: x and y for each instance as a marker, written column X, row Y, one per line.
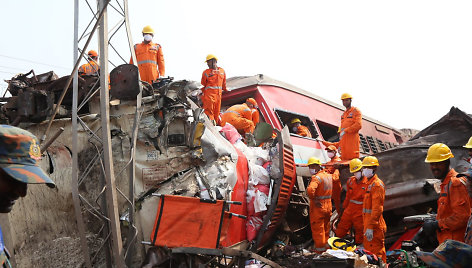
column 254, row 224
column 231, row 133
column 237, row 226
column 187, row 222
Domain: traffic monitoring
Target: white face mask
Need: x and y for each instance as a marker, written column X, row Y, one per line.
column 295, row 129
column 312, row 171
column 367, row 172
column 358, row 175
column 147, row 37
column 331, row 154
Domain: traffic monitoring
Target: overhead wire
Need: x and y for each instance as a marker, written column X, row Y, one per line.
column 45, row 64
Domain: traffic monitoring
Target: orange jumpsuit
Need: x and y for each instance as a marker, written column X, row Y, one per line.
column 319, row 191
column 255, row 116
column 303, row 131
column 372, row 214
column 240, row 117
column 351, row 123
column 329, row 167
column 352, row 215
column 89, row 68
column 214, row 82
column 150, row 61
column 453, row 208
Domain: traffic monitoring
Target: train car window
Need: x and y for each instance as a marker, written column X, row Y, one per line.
column 329, row 132
column 381, row 145
column 372, row 144
column 285, row 117
column 364, row 145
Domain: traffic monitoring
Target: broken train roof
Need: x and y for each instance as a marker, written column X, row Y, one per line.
column 406, row 162
column 261, row 79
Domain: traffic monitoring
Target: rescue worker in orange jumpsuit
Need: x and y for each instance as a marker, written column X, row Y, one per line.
column 330, row 167
column 453, row 207
column 214, row 82
column 92, row 67
column 353, row 203
column 319, row 191
column 251, row 102
column 240, row 116
column 351, row 123
column 372, row 209
column 468, row 175
column 150, row 57
column 300, row 129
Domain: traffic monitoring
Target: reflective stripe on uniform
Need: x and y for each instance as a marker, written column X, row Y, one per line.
column 364, row 210
column 320, row 249
column 147, row 61
column 213, row 88
column 234, row 112
column 323, row 197
column 356, row 202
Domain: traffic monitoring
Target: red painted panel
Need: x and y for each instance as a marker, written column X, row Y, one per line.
column 270, row 97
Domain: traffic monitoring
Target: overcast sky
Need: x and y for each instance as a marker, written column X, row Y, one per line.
column 405, row 62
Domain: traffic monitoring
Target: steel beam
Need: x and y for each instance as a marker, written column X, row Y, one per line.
column 111, row 196
column 75, row 165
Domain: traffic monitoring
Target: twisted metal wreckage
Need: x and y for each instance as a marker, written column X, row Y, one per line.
column 178, row 152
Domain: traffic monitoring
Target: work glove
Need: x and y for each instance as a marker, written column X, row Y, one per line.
column 430, row 227
column 369, row 234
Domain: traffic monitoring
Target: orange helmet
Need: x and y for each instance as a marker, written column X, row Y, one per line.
column 252, row 101
column 331, row 148
column 92, row 53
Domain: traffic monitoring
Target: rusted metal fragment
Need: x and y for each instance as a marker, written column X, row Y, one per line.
column 124, row 82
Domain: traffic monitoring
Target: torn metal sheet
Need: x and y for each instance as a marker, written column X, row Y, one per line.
column 403, row 169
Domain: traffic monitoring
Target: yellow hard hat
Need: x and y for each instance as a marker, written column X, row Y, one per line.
column 469, row 144
column 211, row 56
column 313, row 160
column 370, row 161
column 355, row 165
column 438, row 152
column 295, row 120
column 346, row 96
column 148, row 30
column 339, row 243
